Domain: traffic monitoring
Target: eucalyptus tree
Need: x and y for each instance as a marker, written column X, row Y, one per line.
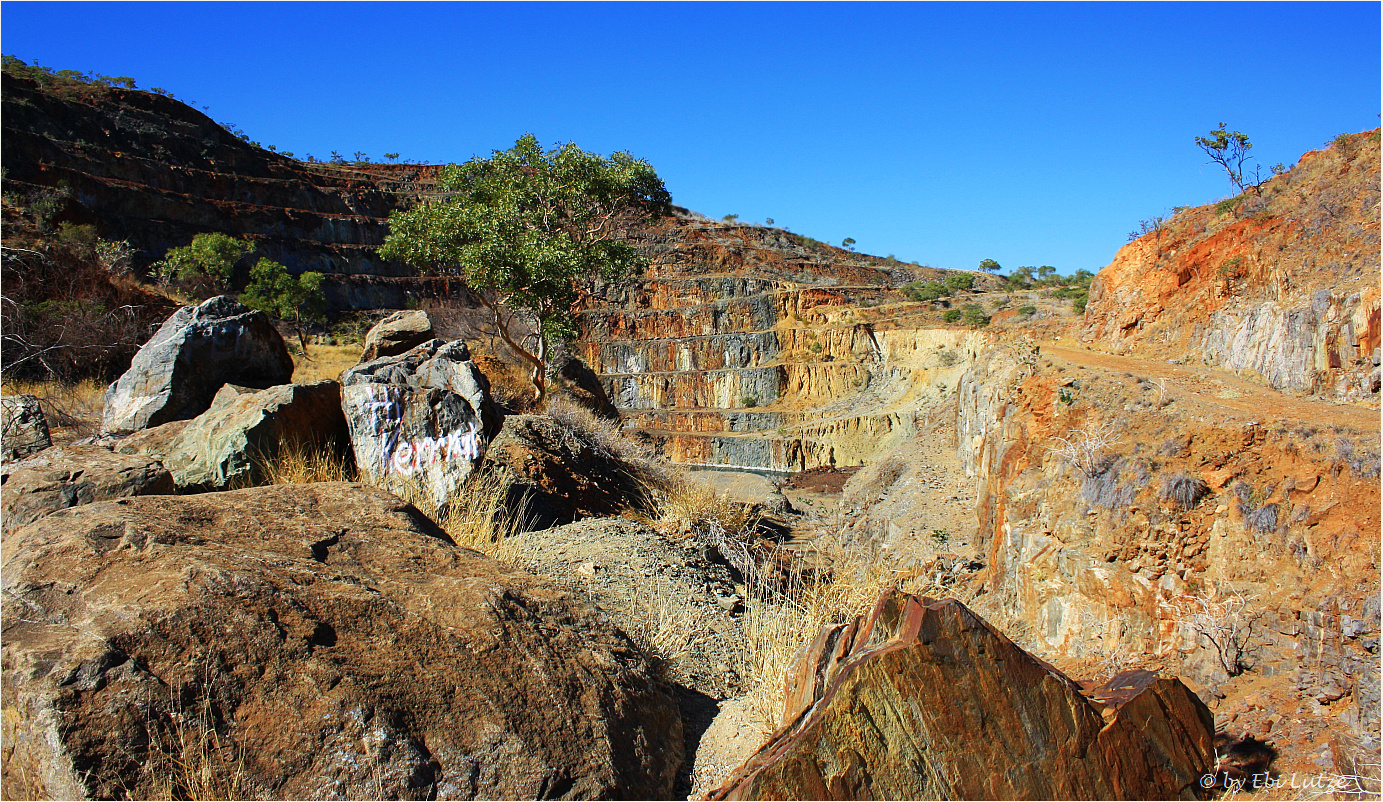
column 529, row 231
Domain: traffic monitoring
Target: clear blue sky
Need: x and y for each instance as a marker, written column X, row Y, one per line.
column 1030, row 133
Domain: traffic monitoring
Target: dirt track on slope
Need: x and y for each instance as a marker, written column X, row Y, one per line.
column 1220, row 393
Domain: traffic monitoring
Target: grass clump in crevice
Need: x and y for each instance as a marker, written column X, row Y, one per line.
column 586, row 431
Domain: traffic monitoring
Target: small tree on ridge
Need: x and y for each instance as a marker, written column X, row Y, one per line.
column 1230, row 150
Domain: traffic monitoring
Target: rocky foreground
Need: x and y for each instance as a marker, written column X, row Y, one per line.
column 330, row 640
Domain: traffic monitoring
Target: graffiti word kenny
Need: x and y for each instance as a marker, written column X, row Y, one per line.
column 404, row 456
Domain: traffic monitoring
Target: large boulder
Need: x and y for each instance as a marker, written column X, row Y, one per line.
column 420, row 421
column 68, row 476
column 396, row 334
column 310, row 641
column 568, row 471
column 575, row 380
column 23, row 427
column 196, row 351
column 924, row 700
column 228, row 444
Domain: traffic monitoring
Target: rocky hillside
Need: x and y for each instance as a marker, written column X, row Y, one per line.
column 152, row 170
column 1279, row 283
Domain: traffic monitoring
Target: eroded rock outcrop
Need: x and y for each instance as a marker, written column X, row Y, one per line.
column 69, row 476
column 565, row 472
column 245, row 428
column 1128, row 507
column 924, row 700
column 176, row 374
column 420, row 420
column 23, row 427
column 1280, row 283
column 334, row 640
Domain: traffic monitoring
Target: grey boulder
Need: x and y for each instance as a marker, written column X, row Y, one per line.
column 420, row 421
column 196, row 351
column 400, row 332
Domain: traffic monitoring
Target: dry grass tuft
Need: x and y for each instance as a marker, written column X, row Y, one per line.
column 786, row 602
column 324, row 362
column 687, row 507
column 783, row 617
column 483, row 516
column 190, row 760
column 666, row 627
column 605, row 437
column 298, row 464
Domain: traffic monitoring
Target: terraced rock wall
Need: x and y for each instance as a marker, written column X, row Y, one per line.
column 778, row 366
column 154, row 171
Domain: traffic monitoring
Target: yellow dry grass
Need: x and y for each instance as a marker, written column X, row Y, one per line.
column 192, row 761
column 784, row 611
column 297, row 464
column 779, row 621
column 73, row 410
column 323, row 362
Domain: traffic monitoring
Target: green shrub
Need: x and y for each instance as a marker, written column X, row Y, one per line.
column 973, row 315
column 1228, row 204
column 275, row 291
column 1028, row 311
column 960, row 281
column 951, row 315
column 212, row 255
column 930, row 291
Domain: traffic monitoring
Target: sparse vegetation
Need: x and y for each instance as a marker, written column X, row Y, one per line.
column 69, row 310
column 1183, row 489
column 649, row 469
column 1224, row 623
column 1087, row 448
column 1230, row 150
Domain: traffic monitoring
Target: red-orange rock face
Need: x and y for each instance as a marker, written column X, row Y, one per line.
column 1281, row 284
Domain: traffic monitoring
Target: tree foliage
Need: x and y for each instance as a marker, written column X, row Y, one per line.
column 990, row 266
column 276, row 291
column 529, row 230
column 212, row 255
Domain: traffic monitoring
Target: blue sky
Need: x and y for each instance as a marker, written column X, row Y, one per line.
column 1030, row 133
